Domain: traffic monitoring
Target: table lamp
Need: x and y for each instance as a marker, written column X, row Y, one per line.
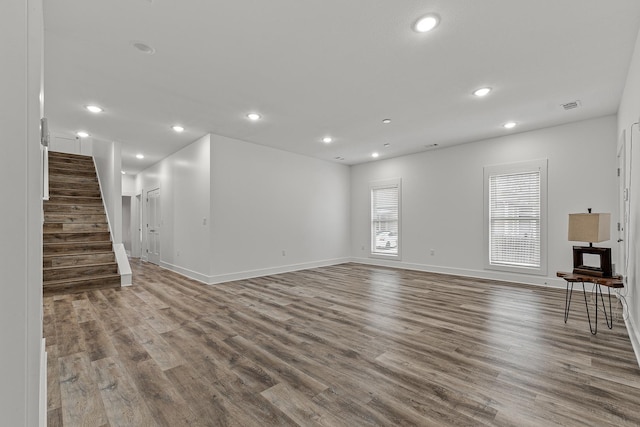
column 591, row 228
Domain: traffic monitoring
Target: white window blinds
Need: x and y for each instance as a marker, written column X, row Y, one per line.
column 515, row 219
column 385, row 225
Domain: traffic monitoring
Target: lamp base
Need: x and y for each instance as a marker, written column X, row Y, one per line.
column 603, row 270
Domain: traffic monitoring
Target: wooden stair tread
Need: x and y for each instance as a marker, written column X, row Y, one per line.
column 85, row 265
column 66, row 254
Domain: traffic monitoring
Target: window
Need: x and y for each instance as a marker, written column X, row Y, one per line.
column 515, row 217
column 385, row 219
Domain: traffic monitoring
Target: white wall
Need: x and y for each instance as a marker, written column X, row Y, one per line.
column 126, row 223
column 128, row 185
column 183, row 179
column 20, row 212
column 108, row 164
column 628, row 118
column 265, row 201
column 442, row 196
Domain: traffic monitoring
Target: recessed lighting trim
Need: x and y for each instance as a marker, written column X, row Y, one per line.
column 82, row 134
column 483, row 91
column 139, row 156
column 254, row 116
column 426, row 23
column 375, row 155
column 509, row 125
column 177, row 128
column 143, row 47
column 327, row 140
column 386, row 121
column 123, row 172
column 94, row 108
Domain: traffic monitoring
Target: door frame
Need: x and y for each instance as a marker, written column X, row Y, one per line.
column 146, row 228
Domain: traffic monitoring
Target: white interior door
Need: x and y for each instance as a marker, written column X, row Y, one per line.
column 153, row 226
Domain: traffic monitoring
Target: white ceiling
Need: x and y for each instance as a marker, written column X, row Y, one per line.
column 329, row 67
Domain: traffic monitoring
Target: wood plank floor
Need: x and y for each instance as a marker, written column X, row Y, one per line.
column 348, row 345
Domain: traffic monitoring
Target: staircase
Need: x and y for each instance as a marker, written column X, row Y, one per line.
column 77, row 250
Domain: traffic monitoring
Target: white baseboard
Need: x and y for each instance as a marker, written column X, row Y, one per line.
column 634, row 335
column 549, row 282
column 43, row 384
column 185, row 272
column 249, row 274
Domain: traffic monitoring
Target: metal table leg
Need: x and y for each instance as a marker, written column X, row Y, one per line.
column 567, row 301
column 594, row 330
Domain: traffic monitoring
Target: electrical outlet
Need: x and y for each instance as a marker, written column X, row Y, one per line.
column 433, row 252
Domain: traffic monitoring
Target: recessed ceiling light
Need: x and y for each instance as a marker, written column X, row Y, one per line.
column 144, row 48
column 426, row 23
column 509, row 125
column 386, row 121
column 140, row 156
column 123, row 172
column 177, row 128
column 374, row 155
column 254, row 116
column 94, row 108
column 482, row 91
column 82, row 134
column 327, row 139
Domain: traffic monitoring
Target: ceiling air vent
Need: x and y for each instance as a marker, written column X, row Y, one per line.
column 571, row 105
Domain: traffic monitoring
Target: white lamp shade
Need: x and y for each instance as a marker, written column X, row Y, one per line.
column 589, row 227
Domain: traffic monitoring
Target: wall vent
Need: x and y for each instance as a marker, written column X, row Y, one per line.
column 571, row 105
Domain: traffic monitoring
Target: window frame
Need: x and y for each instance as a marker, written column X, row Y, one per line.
column 540, row 166
column 377, row 185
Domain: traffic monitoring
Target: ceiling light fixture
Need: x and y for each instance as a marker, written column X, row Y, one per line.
column 94, row 108
column 123, row 172
column 140, row 156
column 82, row 134
column 426, row 23
column 177, row 128
column 254, row 116
column 386, row 121
column 509, row 125
column 327, row 140
column 483, row 91
column 374, row 155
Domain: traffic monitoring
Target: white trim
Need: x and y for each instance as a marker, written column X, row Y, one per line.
column 634, row 335
column 124, row 269
column 519, row 167
column 388, row 183
column 43, row 383
column 547, row 282
column 183, row 271
column 250, row 274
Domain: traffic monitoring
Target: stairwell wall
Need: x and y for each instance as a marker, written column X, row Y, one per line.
column 108, row 165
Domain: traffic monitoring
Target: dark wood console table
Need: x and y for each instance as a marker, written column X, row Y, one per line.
column 609, row 282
